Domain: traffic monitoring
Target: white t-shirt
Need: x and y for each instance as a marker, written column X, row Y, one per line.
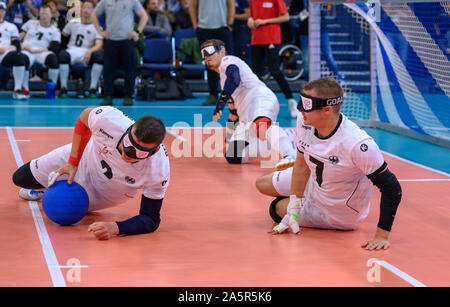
column 38, row 36
column 249, row 88
column 81, row 35
column 339, row 167
column 7, row 31
column 114, row 180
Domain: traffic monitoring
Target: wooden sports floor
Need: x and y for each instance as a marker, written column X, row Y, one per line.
column 215, row 225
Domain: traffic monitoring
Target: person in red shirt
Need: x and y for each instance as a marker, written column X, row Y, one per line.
column 264, row 21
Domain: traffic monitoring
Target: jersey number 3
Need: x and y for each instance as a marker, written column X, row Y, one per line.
column 108, row 172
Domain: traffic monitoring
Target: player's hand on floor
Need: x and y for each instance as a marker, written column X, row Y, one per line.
column 104, row 230
column 290, row 220
column 65, row 169
column 376, row 244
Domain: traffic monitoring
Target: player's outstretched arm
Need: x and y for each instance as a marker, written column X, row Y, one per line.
column 81, row 136
column 391, row 195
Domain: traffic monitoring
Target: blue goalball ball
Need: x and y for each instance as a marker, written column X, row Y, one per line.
column 65, row 204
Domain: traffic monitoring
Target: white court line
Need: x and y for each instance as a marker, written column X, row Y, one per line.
column 423, row 180
column 401, row 274
column 176, row 135
column 72, row 266
column 47, row 248
column 118, row 106
column 416, row 164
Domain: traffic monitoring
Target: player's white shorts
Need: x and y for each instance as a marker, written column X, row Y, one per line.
column 76, row 55
column 2, row 55
column 37, row 57
column 261, row 106
column 44, row 165
column 310, row 215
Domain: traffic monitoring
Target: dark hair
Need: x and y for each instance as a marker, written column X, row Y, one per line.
column 150, row 129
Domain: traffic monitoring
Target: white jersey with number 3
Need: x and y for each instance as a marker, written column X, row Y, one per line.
column 7, row 31
column 113, row 180
column 339, row 167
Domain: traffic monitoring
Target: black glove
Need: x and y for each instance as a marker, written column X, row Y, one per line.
column 224, row 97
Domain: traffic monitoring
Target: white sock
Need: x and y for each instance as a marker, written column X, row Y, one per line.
column 63, row 74
column 18, row 72
column 279, row 140
column 96, row 72
column 26, row 79
column 53, row 74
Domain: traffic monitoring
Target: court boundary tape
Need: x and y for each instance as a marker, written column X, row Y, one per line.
column 416, row 164
column 47, row 248
column 400, row 274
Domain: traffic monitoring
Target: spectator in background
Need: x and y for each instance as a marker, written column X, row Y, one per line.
column 241, row 32
column 213, row 20
column 264, row 21
column 173, row 5
column 182, row 17
column 170, row 14
column 158, row 25
column 58, row 20
column 19, row 12
column 119, row 43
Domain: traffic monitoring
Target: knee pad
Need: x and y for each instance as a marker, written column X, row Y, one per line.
column 51, row 61
column 273, row 211
column 262, row 125
column 235, row 152
column 97, row 58
column 64, row 57
column 22, row 60
column 23, row 177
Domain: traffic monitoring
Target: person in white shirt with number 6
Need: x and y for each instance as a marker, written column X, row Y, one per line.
column 330, row 184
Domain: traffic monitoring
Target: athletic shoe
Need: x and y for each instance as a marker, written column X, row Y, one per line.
column 25, row 91
column 92, row 93
column 63, row 93
column 285, row 163
column 18, row 95
column 128, row 101
column 210, row 101
column 107, row 101
column 28, row 194
column 293, row 107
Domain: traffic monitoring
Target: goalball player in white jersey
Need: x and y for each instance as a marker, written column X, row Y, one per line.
column 41, row 43
column 253, row 109
column 9, row 39
column 112, row 157
column 84, row 47
column 330, row 184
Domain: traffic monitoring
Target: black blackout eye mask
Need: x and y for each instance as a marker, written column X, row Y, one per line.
column 309, row 103
column 133, row 150
column 210, row 50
